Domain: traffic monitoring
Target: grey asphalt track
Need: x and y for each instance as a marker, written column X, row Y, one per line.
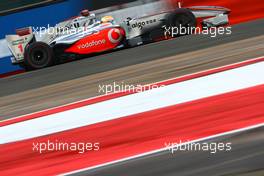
column 246, row 158
column 41, row 89
column 114, row 60
column 62, row 84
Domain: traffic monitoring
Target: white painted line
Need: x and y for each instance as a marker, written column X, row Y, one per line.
column 204, row 71
column 165, row 148
column 215, row 84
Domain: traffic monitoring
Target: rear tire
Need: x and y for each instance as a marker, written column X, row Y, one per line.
column 180, row 19
column 38, row 55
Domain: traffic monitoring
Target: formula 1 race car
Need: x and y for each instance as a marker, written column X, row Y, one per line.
column 147, row 29
column 85, row 35
column 68, row 40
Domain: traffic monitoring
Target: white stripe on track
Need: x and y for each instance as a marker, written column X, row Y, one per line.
column 186, row 91
column 166, row 148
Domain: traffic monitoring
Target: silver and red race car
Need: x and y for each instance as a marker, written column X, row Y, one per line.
column 85, row 35
column 82, row 35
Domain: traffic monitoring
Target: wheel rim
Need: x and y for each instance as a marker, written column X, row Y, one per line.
column 39, row 57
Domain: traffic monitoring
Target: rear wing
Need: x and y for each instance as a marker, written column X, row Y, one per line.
column 17, row 43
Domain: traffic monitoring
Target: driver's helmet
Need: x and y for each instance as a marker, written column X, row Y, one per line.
column 107, row 19
column 85, row 13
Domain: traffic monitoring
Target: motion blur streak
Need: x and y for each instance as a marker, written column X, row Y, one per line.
column 241, row 11
column 139, row 133
column 120, row 94
column 165, row 96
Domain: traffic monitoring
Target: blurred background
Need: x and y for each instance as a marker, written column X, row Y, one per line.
column 39, row 13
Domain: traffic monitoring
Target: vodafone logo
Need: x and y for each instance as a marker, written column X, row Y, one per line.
column 114, row 35
column 91, row 44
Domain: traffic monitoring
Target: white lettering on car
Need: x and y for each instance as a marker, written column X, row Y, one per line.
column 91, row 44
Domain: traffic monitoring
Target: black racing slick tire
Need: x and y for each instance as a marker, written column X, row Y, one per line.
column 183, row 22
column 38, row 55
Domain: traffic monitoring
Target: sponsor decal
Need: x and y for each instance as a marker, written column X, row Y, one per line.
column 114, row 35
column 141, row 24
column 17, row 42
column 91, row 44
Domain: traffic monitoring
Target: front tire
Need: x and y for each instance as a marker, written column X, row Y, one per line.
column 38, row 55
